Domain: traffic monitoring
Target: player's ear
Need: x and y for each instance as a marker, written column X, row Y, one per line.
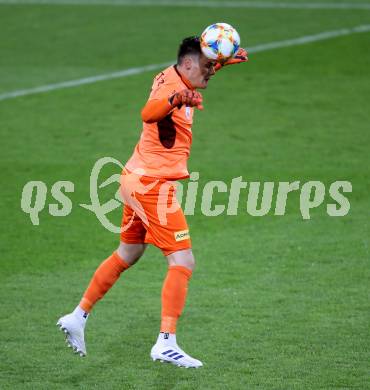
column 188, row 62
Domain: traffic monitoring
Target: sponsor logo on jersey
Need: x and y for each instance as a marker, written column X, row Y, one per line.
column 182, row 235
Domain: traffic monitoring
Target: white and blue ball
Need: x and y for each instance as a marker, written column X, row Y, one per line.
column 220, row 42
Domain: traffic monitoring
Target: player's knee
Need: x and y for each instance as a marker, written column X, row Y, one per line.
column 190, row 263
column 130, row 253
column 184, row 258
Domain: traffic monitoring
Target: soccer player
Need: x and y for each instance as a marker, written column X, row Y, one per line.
column 151, row 213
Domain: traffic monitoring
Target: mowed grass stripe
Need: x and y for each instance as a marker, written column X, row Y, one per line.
column 137, row 70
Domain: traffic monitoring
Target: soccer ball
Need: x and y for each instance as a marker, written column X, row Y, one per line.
column 220, row 42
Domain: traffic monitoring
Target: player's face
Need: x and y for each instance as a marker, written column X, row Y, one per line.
column 202, row 71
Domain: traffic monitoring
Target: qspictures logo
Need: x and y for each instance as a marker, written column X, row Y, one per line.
column 253, row 198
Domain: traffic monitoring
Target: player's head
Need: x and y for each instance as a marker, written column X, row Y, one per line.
column 195, row 66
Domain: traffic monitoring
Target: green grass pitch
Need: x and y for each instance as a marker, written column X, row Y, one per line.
column 275, row 302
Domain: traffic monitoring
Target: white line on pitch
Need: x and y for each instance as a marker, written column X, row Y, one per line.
column 85, row 80
column 133, row 71
column 199, row 3
column 310, row 38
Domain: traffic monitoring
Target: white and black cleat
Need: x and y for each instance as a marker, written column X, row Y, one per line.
column 74, row 333
column 175, row 355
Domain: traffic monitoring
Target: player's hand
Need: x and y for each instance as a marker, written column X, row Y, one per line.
column 240, row 56
column 188, row 97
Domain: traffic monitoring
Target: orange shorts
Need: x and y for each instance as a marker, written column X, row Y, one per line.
column 152, row 214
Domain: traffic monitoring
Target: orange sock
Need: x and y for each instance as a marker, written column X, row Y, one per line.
column 175, row 288
column 104, row 277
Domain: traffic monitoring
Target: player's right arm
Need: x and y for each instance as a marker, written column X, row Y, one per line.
column 156, row 109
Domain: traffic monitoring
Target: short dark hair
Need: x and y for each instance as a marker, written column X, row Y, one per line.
column 190, row 45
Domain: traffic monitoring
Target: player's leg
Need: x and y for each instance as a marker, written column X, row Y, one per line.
column 108, row 272
column 168, row 230
column 180, row 266
column 129, row 251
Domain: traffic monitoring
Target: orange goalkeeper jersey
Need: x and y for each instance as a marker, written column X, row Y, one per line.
column 164, row 146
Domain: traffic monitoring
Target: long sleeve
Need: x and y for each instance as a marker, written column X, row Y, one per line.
column 155, row 110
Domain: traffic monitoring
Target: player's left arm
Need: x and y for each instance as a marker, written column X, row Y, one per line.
column 240, row 56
